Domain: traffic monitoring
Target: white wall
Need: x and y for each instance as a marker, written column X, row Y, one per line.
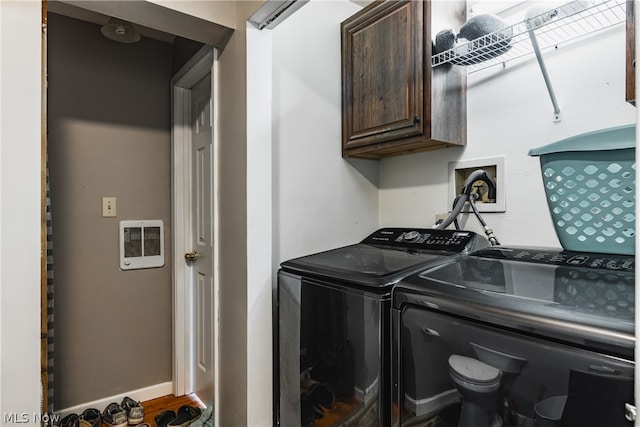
column 509, row 112
column 259, row 236
column 20, row 92
column 320, row 200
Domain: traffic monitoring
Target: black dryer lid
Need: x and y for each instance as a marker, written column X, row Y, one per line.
column 581, row 297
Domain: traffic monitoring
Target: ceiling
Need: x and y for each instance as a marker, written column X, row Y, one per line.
column 66, row 8
column 71, row 11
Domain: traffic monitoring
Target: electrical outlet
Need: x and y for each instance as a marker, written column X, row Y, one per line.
column 108, row 207
column 494, row 166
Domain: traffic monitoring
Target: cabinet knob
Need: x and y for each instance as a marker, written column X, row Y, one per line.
column 416, row 120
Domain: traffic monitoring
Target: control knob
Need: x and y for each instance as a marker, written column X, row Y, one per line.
column 411, row 236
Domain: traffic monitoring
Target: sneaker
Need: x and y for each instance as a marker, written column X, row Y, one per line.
column 90, row 418
column 114, row 415
column 185, row 416
column 134, row 410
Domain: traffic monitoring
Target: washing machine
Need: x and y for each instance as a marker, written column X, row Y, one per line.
column 332, row 343
column 520, row 337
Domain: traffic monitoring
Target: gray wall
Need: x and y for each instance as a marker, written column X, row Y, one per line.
column 232, row 372
column 109, row 135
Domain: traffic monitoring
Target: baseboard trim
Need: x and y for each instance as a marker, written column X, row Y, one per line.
column 142, row 394
column 432, row 404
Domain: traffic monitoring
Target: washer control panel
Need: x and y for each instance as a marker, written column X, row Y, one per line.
column 561, row 258
column 427, row 239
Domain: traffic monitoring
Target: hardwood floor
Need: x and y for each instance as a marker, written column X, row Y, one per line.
column 155, row 406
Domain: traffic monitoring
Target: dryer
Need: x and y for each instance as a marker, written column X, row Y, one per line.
column 517, row 337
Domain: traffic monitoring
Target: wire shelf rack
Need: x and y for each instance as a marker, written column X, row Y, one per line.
column 550, row 28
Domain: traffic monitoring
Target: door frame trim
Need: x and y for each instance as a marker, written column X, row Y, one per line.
column 202, row 63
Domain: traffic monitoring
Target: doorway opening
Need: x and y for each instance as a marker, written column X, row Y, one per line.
column 109, row 117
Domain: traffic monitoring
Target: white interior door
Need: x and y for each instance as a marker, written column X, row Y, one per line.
column 202, row 238
column 194, row 237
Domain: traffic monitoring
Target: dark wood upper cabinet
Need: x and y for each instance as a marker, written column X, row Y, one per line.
column 631, row 53
column 393, row 101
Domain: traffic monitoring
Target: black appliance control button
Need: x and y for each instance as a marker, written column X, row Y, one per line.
column 412, row 236
column 577, row 259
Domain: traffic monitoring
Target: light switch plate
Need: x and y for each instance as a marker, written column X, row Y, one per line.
column 108, row 207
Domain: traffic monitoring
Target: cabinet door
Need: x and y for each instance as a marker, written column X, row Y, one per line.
column 383, row 74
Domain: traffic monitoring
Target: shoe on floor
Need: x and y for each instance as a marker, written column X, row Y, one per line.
column 320, row 395
column 114, row 415
column 71, row 420
column 134, row 410
column 164, row 418
column 206, row 418
column 185, row 416
column 307, row 416
column 91, row 418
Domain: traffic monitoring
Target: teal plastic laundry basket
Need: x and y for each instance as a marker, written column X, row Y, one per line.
column 590, row 184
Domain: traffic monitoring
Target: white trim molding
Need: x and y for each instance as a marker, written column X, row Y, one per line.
column 139, row 395
column 193, row 71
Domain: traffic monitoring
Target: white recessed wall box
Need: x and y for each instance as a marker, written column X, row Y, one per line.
column 494, row 166
column 141, row 244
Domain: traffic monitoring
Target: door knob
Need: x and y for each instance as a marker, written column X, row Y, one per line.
column 191, row 256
